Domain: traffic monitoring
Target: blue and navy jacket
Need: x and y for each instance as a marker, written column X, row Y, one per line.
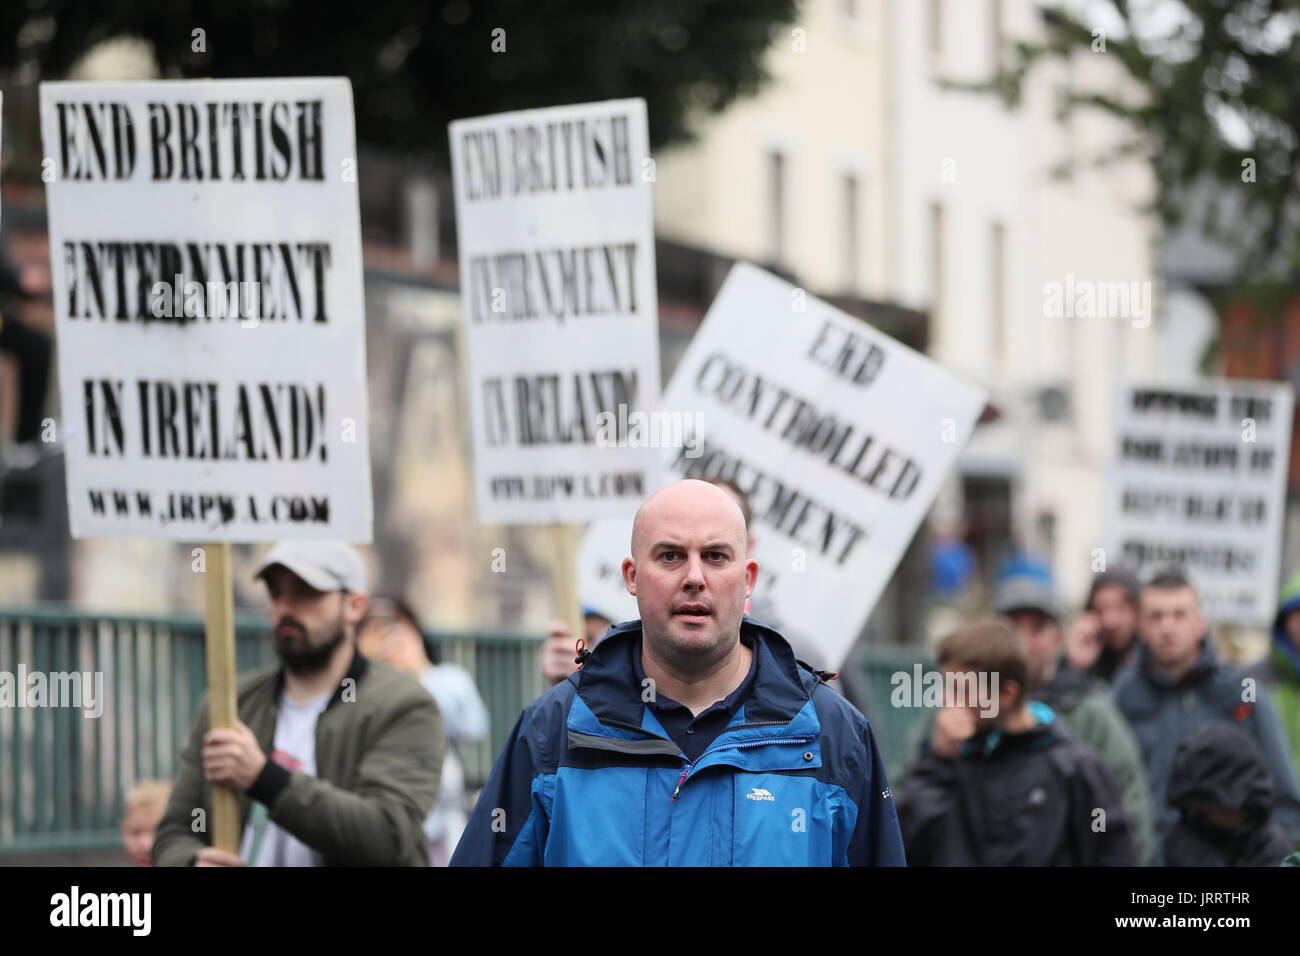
column 590, row 778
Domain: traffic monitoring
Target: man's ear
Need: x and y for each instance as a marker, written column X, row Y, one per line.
column 751, row 576
column 629, row 576
column 354, row 607
column 1008, row 695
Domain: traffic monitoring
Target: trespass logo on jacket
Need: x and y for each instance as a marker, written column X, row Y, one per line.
column 589, row 777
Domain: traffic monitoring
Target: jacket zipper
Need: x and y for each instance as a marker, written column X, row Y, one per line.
column 741, row 746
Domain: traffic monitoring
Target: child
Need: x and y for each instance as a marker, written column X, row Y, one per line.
column 145, row 803
column 1224, row 795
column 1000, row 782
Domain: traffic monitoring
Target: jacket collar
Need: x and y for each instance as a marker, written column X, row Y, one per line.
column 356, row 670
column 1286, row 656
column 608, row 687
column 1041, row 735
column 1205, row 663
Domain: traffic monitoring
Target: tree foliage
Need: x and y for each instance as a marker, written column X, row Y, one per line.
column 1217, row 115
column 415, row 65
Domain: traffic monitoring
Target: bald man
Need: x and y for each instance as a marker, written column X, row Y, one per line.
column 690, row 737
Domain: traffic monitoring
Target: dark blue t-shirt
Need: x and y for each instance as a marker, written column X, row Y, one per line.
column 694, row 734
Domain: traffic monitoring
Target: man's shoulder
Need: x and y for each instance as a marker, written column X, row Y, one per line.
column 256, row 681
column 1075, row 758
column 1134, row 693
column 552, row 707
column 1094, row 705
column 833, row 708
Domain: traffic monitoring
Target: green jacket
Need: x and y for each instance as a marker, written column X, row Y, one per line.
column 379, row 748
column 1281, row 670
column 1091, row 717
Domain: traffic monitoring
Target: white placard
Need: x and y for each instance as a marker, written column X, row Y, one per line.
column 840, row 435
column 1197, row 482
column 205, row 247
column 557, row 277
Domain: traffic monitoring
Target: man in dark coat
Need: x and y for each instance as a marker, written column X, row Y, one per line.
column 1004, row 785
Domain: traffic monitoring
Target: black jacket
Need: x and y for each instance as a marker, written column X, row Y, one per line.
column 1218, row 765
column 1026, row 799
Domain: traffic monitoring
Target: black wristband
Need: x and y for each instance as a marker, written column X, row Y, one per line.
column 273, row 779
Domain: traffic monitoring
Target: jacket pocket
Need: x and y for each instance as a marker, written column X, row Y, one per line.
column 788, row 820
column 598, row 817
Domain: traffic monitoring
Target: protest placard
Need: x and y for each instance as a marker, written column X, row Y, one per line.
column 555, row 226
column 1197, row 482
column 205, row 253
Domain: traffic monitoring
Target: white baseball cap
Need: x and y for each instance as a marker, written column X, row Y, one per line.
column 325, row 565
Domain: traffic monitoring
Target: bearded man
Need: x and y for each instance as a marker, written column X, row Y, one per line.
column 336, row 759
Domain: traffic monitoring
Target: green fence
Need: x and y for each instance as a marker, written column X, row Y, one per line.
column 63, row 774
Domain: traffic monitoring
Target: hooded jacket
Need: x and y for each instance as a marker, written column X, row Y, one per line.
column 1087, row 712
column 1084, row 710
column 590, row 778
column 1163, row 713
column 1218, row 765
column 1282, row 668
column 1015, row 799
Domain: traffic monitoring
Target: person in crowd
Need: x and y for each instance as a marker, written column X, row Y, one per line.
column 1000, row 782
column 1079, row 701
column 335, row 759
column 391, row 633
column 1104, row 636
column 559, row 653
column 31, row 349
column 145, row 803
column 1177, row 683
column 1281, row 670
column 676, row 716
column 1224, row 798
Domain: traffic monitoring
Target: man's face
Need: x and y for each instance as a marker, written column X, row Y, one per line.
column 1116, row 615
column 308, row 625
column 984, row 696
column 385, row 635
column 1291, row 624
column 1171, row 625
column 1043, row 639
column 595, row 626
column 690, row 574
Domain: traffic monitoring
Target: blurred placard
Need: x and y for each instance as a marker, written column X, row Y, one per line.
column 1197, row 482
column 557, row 277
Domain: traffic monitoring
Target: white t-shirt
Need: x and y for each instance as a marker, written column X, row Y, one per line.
column 294, row 749
column 465, row 720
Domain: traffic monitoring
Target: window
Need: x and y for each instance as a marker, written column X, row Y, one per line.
column 852, row 250
column 998, row 291
column 776, row 207
column 936, row 28
column 936, row 269
column 995, row 36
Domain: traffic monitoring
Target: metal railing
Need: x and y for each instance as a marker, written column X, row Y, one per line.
column 64, row 775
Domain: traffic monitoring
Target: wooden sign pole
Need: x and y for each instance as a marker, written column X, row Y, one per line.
column 222, row 706
column 564, row 578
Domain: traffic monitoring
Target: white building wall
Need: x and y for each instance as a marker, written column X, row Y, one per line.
column 822, row 111
column 868, row 99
